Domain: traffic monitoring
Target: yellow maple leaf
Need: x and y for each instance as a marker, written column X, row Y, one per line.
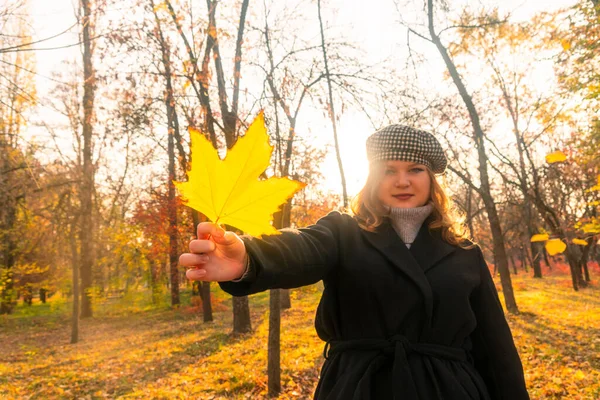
column 540, row 237
column 555, row 246
column 580, row 242
column 557, row 156
column 228, row 191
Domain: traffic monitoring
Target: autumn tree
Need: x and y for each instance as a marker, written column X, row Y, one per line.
column 17, row 96
column 578, row 31
column 173, row 133
column 538, row 119
column 199, row 79
column 86, row 228
column 484, row 188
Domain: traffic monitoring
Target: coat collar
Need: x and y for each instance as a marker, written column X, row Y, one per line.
column 428, row 247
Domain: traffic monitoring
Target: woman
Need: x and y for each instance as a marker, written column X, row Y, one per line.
column 409, row 310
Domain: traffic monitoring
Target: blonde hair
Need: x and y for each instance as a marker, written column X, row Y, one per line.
column 370, row 212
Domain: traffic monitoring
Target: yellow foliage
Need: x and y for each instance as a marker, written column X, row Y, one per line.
column 555, row 246
column 161, row 6
column 228, row 191
column 566, row 44
column 592, row 228
column 557, row 156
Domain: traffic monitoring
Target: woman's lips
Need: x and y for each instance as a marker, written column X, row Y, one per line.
column 403, row 196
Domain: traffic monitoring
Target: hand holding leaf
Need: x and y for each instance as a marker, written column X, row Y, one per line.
column 215, row 256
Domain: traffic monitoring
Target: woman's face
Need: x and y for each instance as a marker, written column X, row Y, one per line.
column 404, row 184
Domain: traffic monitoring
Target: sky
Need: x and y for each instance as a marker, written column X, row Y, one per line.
column 372, row 25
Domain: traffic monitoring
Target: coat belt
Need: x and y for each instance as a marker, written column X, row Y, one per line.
column 398, row 347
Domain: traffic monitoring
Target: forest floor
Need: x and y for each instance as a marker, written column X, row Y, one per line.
column 132, row 351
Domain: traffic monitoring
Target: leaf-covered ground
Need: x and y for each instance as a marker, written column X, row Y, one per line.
column 164, row 354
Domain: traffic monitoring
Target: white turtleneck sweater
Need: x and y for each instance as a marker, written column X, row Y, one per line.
column 408, row 221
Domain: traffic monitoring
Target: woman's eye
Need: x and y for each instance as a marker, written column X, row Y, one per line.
column 389, row 171
column 417, row 169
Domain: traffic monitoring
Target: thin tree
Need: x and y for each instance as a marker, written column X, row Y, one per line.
column 331, row 107
column 73, row 223
column 500, row 257
column 173, row 132
column 86, row 227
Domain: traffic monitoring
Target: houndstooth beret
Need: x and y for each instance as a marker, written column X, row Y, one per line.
column 403, row 143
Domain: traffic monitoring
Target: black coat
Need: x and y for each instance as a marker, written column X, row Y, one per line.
column 402, row 324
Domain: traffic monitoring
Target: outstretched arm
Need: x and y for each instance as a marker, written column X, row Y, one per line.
column 295, row 257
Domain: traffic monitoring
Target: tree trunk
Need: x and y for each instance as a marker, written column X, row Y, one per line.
column 284, row 218
column 583, row 260
column 206, row 302
column 536, row 253
column 86, row 228
column 28, row 295
column 173, row 131
column 75, row 277
column 586, row 272
column 523, row 257
column 490, row 206
column 514, row 264
column 576, row 277
column 43, row 293
column 286, row 301
column 241, row 315
column 7, row 301
column 154, row 280
column 274, row 354
column 468, row 210
column 173, row 237
column 528, row 258
column 331, row 108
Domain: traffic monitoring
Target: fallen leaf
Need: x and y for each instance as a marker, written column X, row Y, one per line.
column 557, row 156
column 566, row 44
column 580, row 242
column 540, row 237
column 555, row 246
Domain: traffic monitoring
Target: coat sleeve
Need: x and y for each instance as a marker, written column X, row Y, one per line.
column 494, row 352
column 294, row 258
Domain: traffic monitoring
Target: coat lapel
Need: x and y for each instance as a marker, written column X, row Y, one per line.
column 429, row 248
column 386, row 240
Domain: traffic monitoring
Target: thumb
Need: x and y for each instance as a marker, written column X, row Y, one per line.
column 224, row 238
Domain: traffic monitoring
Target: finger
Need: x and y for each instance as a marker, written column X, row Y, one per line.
column 195, row 274
column 201, row 246
column 208, row 228
column 192, row 260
